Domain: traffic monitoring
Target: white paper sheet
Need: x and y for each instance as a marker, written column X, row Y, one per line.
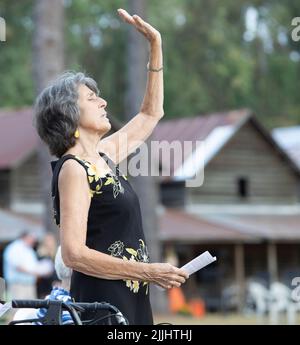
column 4, row 308
column 199, row 262
column 196, row 264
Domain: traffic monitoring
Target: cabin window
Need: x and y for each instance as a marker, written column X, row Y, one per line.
column 4, row 188
column 243, row 187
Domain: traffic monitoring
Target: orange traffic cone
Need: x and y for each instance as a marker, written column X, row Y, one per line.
column 177, row 300
column 197, row 307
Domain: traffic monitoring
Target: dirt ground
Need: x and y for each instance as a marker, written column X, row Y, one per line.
column 218, row 319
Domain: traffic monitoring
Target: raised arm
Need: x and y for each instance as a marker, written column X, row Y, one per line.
column 125, row 141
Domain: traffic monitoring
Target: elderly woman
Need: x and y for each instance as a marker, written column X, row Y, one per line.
column 97, row 211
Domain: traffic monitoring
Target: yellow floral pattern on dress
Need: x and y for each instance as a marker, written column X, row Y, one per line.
column 140, row 255
column 117, row 187
column 96, row 179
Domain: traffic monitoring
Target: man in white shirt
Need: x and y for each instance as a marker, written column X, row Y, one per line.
column 22, row 267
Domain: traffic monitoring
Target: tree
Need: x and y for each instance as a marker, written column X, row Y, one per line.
column 145, row 186
column 211, row 61
column 48, row 63
column 15, row 57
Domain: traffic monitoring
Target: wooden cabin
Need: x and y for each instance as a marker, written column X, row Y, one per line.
column 246, row 212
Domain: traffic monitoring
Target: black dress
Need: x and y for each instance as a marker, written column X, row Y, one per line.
column 115, row 228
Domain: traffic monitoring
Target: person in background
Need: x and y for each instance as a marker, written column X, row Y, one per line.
column 63, row 272
column 59, row 292
column 22, row 268
column 46, row 250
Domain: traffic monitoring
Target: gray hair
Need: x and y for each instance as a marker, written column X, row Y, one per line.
column 57, row 112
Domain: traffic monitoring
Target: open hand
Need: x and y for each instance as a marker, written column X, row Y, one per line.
column 152, row 35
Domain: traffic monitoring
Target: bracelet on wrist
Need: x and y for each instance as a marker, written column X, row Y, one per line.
column 150, row 69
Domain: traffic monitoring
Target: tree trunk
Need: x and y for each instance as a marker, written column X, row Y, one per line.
column 48, row 63
column 145, row 186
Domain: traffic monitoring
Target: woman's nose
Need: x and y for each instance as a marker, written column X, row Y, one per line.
column 102, row 103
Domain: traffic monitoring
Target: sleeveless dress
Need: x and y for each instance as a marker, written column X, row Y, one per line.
column 114, row 228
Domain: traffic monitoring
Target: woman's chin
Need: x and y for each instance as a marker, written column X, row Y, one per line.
column 106, row 127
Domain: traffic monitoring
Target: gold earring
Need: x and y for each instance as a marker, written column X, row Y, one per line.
column 76, row 134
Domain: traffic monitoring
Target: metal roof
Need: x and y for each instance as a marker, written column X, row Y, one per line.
column 289, row 139
column 180, row 225
column 13, row 224
column 215, row 131
column 18, row 137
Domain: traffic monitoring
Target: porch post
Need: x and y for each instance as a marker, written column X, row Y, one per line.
column 272, row 262
column 239, row 264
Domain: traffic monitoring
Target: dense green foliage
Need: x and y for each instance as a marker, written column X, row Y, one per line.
column 213, row 60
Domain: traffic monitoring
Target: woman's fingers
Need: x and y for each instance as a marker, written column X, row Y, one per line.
column 175, row 284
column 126, row 16
column 167, row 276
column 133, row 20
column 174, row 281
column 144, row 28
column 178, row 279
column 183, row 273
column 143, row 24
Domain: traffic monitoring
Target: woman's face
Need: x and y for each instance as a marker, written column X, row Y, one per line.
column 92, row 111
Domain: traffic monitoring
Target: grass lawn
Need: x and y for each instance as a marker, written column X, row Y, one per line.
column 218, row 319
